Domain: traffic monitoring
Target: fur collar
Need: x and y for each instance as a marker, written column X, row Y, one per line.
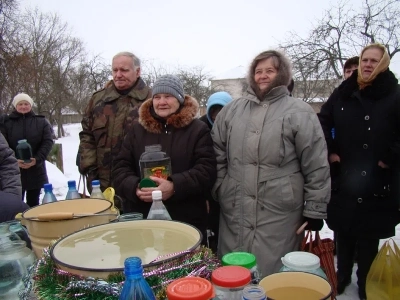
column 383, row 85
column 182, row 118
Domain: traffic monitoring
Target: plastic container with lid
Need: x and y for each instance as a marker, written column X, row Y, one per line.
column 243, row 259
column 229, row 282
column 303, row 262
column 193, row 288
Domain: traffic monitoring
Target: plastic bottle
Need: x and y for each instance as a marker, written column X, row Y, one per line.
column 96, row 191
column 48, row 194
column 72, row 191
column 254, row 292
column 24, row 151
column 135, row 286
column 158, row 211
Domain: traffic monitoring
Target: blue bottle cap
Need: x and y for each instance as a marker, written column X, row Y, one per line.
column 95, row 182
column 71, row 183
column 48, row 187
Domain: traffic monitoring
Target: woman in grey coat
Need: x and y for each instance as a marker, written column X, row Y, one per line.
column 273, row 173
column 10, row 184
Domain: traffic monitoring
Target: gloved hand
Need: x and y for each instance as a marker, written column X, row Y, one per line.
column 314, row 224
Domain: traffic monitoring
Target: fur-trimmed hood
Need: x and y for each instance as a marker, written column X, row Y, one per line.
column 283, row 77
column 182, row 118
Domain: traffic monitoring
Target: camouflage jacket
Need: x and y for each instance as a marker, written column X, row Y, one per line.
column 107, row 119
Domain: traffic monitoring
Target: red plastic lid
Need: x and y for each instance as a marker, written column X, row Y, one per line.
column 231, row 276
column 194, row 288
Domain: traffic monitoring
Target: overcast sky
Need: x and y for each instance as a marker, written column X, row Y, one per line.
column 216, row 34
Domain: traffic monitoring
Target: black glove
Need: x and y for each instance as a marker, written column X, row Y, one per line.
column 314, row 224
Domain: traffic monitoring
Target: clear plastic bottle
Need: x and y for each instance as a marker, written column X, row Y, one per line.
column 72, row 191
column 96, row 191
column 135, row 286
column 254, row 292
column 48, row 194
column 158, row 211
column 24, row 151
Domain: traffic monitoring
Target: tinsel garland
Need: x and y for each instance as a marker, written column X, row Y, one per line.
column 51, row 283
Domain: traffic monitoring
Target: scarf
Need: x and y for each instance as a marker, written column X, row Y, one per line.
column 382, row 66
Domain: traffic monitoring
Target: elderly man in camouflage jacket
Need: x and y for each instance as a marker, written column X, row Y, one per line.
column 109, row 114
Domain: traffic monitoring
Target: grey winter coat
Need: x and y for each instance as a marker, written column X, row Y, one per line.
column 272, row 170
column 10, row 180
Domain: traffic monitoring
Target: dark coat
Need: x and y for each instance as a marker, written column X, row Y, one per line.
column 205, row 120
column 367, row 130
column 187, row 141
column 39, row 134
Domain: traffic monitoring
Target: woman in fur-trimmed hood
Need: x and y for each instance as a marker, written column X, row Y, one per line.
column 273, row 174
column 169, row 119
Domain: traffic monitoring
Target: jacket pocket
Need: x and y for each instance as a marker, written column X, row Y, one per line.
column 227, row 195
column 99, row 130
column 285, row 193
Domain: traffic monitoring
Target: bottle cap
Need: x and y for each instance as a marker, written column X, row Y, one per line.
column 48, row 187
column 194, row 288
column 243, row 259
column 156, row 195
column 21, row 141
column 231, row 276
column 95, row 182
column 302, row 261
column 71, row 183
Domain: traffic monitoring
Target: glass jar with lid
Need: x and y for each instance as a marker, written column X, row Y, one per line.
column 229, row 282
column 243, row 259
column 303, row 262
column 190, row 288
column 15, row 259
column 154, row 162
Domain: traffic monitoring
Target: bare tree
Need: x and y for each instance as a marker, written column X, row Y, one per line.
column 196, row 83
column 7, row 12
column 340, row 34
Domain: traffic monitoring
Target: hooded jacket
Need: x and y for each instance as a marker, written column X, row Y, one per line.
column 272, row 170
column 187, row 141
column 218, row 98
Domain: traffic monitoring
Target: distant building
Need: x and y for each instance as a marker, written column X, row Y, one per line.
column 313, row 92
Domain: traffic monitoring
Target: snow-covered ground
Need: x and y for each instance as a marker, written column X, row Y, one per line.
column 59, row 180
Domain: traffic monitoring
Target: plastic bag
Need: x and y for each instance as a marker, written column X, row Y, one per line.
column 383, row 280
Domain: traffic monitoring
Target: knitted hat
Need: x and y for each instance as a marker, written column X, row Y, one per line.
column 22, row 97
column 169, row 84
